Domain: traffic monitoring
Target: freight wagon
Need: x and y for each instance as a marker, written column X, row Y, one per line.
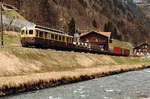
column 121, row 51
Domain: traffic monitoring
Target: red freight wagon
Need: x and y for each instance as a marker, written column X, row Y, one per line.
column 126, row 52
column 118, row 50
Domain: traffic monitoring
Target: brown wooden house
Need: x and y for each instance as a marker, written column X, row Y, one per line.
column 100, row 39
column 142, row 49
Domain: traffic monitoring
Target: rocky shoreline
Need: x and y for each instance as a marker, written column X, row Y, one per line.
column 26, row 83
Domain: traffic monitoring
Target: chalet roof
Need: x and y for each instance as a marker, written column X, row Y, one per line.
column 106, row 34
column 142, row 43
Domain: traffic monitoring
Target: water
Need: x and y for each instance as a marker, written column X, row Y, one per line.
column 130, row 85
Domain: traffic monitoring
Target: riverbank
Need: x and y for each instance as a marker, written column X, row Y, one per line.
column 27, row 69
column 17, row 84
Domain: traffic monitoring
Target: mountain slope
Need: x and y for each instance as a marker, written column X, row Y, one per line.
column 110, row 15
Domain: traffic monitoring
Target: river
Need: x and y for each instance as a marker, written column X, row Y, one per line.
column 130, row 85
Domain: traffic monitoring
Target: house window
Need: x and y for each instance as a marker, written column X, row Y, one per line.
column 146, row 46
column 99, row 40
column 87, row 40
column 96, row 40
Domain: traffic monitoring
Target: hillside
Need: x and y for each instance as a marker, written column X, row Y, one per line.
column 110, row 15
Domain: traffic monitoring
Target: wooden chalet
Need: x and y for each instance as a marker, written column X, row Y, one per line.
column 100, row 39
column 142, row 49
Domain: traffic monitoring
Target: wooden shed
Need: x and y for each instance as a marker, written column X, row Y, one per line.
column 100, row 39
column 142, row 49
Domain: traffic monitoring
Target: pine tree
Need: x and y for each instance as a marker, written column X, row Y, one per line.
column 72, row 27
column 94, row 23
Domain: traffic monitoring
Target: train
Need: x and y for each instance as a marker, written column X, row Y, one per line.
column 43, row 37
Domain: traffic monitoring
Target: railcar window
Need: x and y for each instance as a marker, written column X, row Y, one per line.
column 63, row 38
column 49, row 36
column 56, row 37
column 60, row 37
column 30, row 32
column 46, row 34
column 71, row 40
column 52, row 36
column 67, row 39
column 41, row 34
column 22, row 32
column 37, row 33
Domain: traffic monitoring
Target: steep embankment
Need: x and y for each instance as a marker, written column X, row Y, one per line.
column 110, row 15
column 27, row 60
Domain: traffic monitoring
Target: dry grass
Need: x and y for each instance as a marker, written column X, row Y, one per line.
column 43, row 80
column 21, row 61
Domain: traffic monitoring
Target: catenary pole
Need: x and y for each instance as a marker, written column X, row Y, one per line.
column 2, row 34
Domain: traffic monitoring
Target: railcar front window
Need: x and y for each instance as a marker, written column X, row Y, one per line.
column 22, row 32
column 26, row 32
column 30, row 32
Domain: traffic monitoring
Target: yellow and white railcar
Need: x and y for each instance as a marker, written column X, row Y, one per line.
column 39, row 36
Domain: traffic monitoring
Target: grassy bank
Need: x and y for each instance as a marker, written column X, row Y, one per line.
column 30, row 82
column 26, row 69
column 13, row 15
column 122, row 44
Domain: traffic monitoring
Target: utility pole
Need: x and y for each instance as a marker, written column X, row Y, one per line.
column 2, row 34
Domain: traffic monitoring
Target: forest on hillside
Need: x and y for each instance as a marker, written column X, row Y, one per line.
column 88, row 15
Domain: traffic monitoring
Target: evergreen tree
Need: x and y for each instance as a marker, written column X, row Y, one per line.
column 109, row 27
column 94, row 23
column 72, row 27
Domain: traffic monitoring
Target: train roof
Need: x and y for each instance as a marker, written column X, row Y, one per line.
column 46, row 29
column 49, row 29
